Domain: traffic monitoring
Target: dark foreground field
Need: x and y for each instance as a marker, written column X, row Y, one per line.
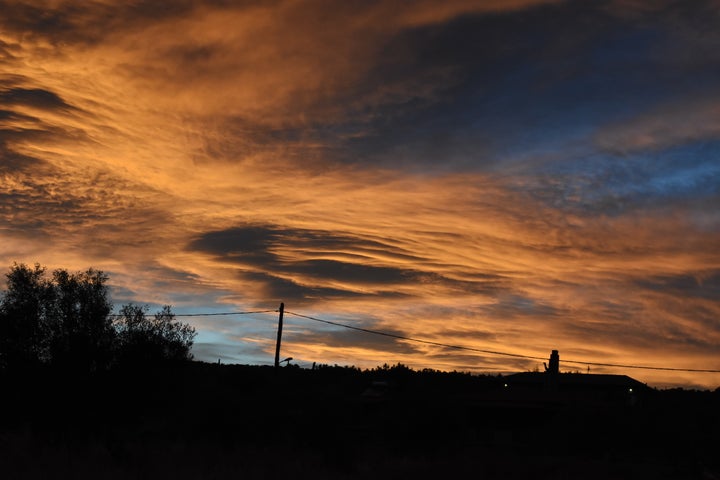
column 216, row 422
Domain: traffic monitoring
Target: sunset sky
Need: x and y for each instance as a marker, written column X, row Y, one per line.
column 507, row 175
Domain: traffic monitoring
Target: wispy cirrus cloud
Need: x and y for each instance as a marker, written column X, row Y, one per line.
column 519, row 174
column 684, row 122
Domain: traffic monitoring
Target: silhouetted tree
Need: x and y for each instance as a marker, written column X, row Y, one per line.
column 176, row 338
column 144, row 340
column 65, row 321
column 81, row 331
column 24, row 338
column 62, row 321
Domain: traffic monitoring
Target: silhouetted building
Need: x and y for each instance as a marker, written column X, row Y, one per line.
column 574, row 387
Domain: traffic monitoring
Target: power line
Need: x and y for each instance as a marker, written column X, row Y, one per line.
column 418, row 340
column 643, row 367
column 441, row 344
column 222, row 313
column 208, row 314
column 495, row 352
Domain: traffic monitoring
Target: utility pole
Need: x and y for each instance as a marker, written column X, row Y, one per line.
column 279, row 336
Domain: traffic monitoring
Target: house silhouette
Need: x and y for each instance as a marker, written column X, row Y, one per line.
column 585, row 388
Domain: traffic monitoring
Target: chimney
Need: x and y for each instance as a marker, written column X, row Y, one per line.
column 554, row 367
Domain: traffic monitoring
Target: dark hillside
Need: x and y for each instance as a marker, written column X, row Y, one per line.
column 216, row 421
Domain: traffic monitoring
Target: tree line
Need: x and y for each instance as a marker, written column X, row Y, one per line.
column 64, row 320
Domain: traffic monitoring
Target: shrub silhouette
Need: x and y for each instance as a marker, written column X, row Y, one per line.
column 65, row 321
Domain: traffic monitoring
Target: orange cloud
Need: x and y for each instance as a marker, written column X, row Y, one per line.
column 197, row 155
